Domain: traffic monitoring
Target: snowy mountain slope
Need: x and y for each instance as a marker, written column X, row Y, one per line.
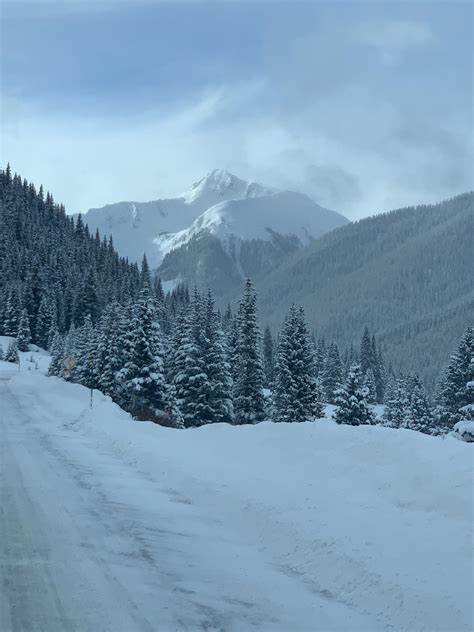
column 278, row 214
column 220, row 205
column 275, row 527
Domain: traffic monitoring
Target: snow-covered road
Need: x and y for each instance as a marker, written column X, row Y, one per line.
column 88, row 543
column 109, row 524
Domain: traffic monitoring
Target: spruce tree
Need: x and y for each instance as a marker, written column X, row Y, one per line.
column 352, row 406
column 143, row 375
column 320, row 358
column 295, row 393
column 366, row 352
column 268, row 356
column 332, row 373
column 217, row 367
column 190, row 378
column 369, row 383
column 12, row 353
column 453, row 392
column 12, row 314
column 145, row 276
column 420, row 411
column 110, row 350
column 57, row 355
column 44, row 322
column 249, row 402
column 24, row 333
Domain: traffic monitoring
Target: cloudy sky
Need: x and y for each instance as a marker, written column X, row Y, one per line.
column 364, row 106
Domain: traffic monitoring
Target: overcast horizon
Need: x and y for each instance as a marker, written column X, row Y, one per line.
column 365, row 107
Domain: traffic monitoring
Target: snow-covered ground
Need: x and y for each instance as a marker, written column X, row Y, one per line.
column 110, row 524
column 34, row 360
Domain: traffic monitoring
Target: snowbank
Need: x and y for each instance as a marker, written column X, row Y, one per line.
column 369, row 518
column 34, row 360
column 464, row 430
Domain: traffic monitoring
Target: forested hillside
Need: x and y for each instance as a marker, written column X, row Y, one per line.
column 176, row 359
column 51, row 268
column 406, row 274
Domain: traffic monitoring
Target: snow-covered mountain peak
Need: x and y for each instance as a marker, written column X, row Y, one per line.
column 220, row 206
column 220, row 185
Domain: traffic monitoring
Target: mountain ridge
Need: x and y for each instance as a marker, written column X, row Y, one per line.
column 220, row 206
column 406, row 273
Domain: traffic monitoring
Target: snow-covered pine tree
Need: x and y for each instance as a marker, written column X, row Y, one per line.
column 420, row 411
column 85, row 369
column 249, row 402
column 397, row 413
column 145, row 276
column 190, row 378
column 380, row 374
column 467, row 409
column 295, row 393
column 12, row 353
column 453, row 392
column 369, row 383
column 284, row 387
column 1, row 352
column 352, row 406
column 12, row 314
column 110, row 357
column 24, row 333
column 268, row 356
column 143, row 375
column 57, row 355
column 70, row 354
column 332, row 373
column 44, row 322
column 320, row 358
column 217, row 366
column 366, row 352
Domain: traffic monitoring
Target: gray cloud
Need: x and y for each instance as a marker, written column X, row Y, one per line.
column 319, row 120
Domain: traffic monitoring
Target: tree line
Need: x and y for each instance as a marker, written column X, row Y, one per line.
column 175, row 358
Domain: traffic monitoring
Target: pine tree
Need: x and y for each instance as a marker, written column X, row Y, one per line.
column 332, row 373
column 190, row 378
column 110, row 350
column 24, row 333
column 380, row 375
column 320, row 358
column 12, row 314
column 217, row 367
column 12, row 353
column 268, row 356
column 366, row 353
column 249, row 402
column 369, row 383
column 420, row 412
column 70, row 355
column 145, row 276
column 57, row 355
column 84, row 370
column 143, row 375
column 295, row 389
column 453, row 391
column 467, row 409
column 352, row 405
column 44, row 323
